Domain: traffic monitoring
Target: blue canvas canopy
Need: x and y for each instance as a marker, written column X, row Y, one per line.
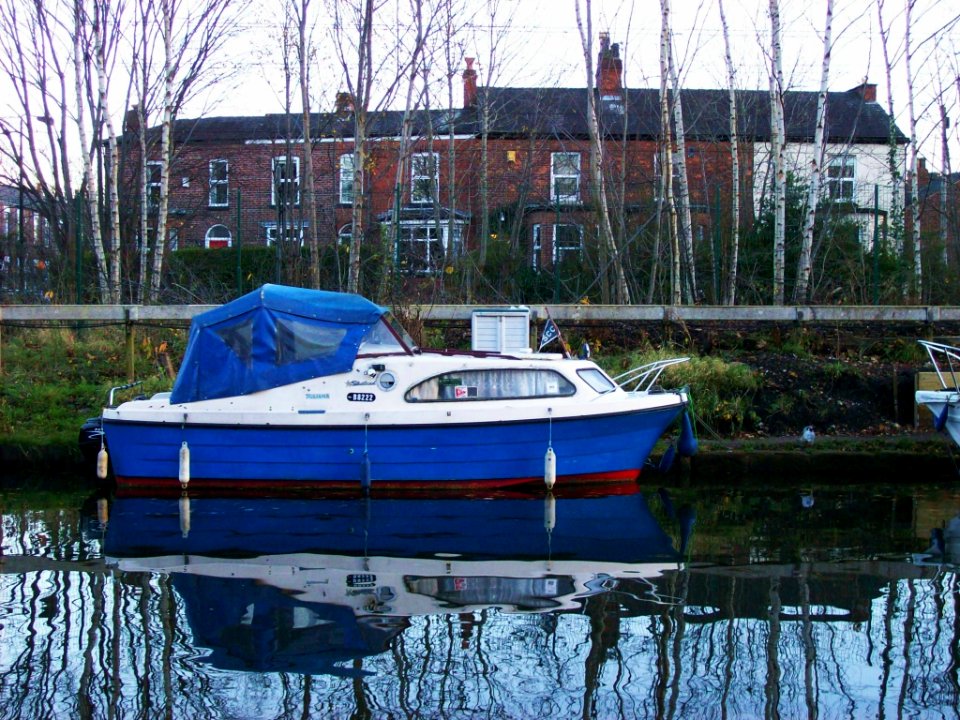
column 270, row 337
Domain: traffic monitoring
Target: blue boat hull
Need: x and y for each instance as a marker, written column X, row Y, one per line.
column 607, row 447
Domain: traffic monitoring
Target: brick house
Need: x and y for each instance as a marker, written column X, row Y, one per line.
column 512, row 163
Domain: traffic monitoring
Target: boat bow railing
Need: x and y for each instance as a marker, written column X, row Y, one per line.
column 119, row 388
column 946, row 362
column 644, row 377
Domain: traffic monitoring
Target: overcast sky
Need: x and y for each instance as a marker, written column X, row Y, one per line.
column 541, row 46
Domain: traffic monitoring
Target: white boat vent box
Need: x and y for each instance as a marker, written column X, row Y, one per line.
column 506, row 330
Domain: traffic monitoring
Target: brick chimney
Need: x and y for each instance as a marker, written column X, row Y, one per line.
column 868, row 91
column 609, row 67
column 469, row 84
column 344, row 103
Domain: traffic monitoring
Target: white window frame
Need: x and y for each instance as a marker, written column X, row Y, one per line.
column 218, row 184
column 295, row 180
column 153, row 186
column 418, row 179
column 347, row 167
column 345, row 235
column 423, row 233
column 556, row 250
column 208, row 236
column 556, row 176
column 842, row 187
column 294, row 233
column 537, row 249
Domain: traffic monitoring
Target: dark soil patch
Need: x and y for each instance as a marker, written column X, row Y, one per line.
column 836, row 397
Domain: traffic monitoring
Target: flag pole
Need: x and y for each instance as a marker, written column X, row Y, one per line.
column 563, row 343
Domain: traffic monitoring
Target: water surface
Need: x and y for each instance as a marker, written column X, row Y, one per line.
column 642, row 603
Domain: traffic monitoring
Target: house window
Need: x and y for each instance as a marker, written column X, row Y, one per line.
column 424, row 177
column 565, row 177
column 421, row 247
column 285, row 188
column 345, row 235
column 567, row 242
column 292, row 232
column 217, row 237
column 841, row 172
column 346, row 178
column 219, row 184
column 153, row 184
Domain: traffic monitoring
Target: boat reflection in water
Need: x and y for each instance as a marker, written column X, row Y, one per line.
column 308, row 584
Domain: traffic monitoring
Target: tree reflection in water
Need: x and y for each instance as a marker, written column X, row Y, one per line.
column 772, row 606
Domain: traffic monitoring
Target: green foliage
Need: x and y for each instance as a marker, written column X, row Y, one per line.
column 54, row 379
column 721, row 391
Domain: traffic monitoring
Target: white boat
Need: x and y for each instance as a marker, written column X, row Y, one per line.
column 304, row 388
column 944, row 403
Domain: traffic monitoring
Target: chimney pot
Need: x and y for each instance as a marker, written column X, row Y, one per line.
column 609, row 68
column 469, row 84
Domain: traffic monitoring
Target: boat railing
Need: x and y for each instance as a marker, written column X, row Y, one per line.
column 119, row 388
column 644, row 377
column 946, row 362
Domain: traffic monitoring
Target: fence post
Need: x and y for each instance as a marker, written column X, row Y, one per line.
column 130, row 331
column 239, row 248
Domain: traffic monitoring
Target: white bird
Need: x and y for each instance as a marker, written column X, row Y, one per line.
column 807, row 436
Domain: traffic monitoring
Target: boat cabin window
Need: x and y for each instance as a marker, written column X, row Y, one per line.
column 239, row 338
column 298, row 341
column 491, row 385
column 386, row 336
column 597, row 380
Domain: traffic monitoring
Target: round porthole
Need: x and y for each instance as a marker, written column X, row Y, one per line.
column 386, row 380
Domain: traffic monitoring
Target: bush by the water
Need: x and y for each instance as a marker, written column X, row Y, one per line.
column 721, row 392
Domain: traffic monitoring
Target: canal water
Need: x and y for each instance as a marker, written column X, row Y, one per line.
column 812, row 601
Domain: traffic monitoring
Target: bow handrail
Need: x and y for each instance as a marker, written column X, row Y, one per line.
column 644, row 377
column 947, row 354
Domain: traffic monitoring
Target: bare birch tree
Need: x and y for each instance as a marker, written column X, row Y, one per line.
column 353, row 38
column 778, row 156
column 916, row 293
column 596, row 162
column 191, row 35
column 816, row 166
column 685, row 227
column 730, row 294
column 106, row 25
column 301, row 9
column 893, row 154
column 88, row 145
column 666, row 155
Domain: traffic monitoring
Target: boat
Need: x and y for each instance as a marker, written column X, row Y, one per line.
column 302, row 387
column 944, row 402
column 310, row 583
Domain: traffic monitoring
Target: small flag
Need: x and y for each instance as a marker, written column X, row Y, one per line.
column 550, row 333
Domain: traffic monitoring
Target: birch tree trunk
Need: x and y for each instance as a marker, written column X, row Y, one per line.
column 917, row 290
column 166, row 33
column 596, row 162
column 730, row 294
column 777, row 142
column 946, row 176
column 816, row 167
column 87, row 149
column 666, row 164
column 308, row 183
column 893, row 149
column 683, row 187
column 100, row 60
